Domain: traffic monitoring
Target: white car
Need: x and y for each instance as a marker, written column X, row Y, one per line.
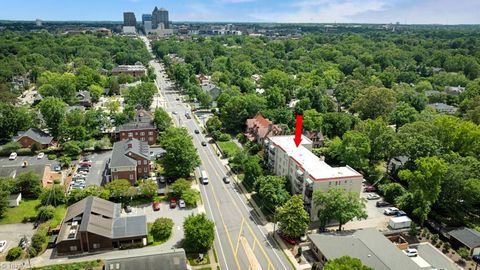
column 13, row 156
column 390, row 211
column 3, row 245
column 411, row 252
column 40, row 155
column 373, row 196
column 181, row 204
column 83, row 172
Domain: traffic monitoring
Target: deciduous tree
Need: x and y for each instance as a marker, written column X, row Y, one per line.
column 292, row 217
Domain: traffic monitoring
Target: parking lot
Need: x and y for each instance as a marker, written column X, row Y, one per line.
column 177, row 215
column 31, row 160
column 99, row 160
column 12, row 233
column 376, row 218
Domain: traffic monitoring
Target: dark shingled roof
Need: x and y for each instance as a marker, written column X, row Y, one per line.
column 120, row 150
column 36, row 135
column 135, row 126
column 467, row 236
column 102, row 217
column 166, row 260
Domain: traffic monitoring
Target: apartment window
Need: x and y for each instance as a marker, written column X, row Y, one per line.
column 145, row 169
column 73, row 248
column 145, row 162
column 139, row 169
column 136, row 133
column 150, row 133
column 96, row 245
column 130, row 134
column 142, row 139
column 329, row 183
column 142, row 133
column 139, row 162
column 131, row 177
column 150, row 138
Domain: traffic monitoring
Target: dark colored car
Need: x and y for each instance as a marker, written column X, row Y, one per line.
column 204, row 143
column 57, row 168
column 197, row 131
column 187, row 115
column 400, row 213
column 288, row 239
column 128, row 209
column 156, row 206
column 23, row 242
column 476, row 258
column 84, row 169
column 173, row 203
column 382, row 204
column 226, row 180
column 369, row 189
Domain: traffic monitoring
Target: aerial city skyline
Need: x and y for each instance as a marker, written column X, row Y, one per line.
column 306, row 11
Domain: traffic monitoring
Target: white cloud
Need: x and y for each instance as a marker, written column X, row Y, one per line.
column 312, row 11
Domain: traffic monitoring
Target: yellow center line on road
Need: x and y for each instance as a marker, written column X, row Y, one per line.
column 239, row 235
column 238, row 209
column 226, row 229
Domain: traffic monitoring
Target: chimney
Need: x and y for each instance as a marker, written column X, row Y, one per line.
column 129, row 146
column 270, row 127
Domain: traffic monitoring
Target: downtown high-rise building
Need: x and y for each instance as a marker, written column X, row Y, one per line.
column 160, row 17
column 146, row 18
column 129, row 19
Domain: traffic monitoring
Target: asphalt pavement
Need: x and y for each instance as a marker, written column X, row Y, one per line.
column 240, row 242
column 99, row 160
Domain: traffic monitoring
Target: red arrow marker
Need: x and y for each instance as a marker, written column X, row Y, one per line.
column 298, row 130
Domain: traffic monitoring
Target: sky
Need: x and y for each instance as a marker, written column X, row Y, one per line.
column 292, row 11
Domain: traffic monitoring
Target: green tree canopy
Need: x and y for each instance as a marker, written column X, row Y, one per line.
column 162, row 229
column 272, row 190
column 199, row 233
column 345, row 263
column 181, row 157
column 53, row 112
column 292, row 217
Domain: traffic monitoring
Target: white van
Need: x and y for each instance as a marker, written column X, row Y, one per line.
column 203, row 177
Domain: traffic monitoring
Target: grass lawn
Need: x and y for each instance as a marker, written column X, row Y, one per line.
column 72, row 266
column 150, row 240
column 59, row 214
column 192, row 259
column 23, row 213
column 229, row 148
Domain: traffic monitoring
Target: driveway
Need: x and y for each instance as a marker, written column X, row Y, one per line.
column 177, row 215
column 13, row 233
column 99, row 160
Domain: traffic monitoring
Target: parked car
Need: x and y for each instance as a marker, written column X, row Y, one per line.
column 204, row 143
column 390, row 211
column 161, row 179
column 373, row 196
column 187, row 115
column 476, row 258
column 181, row 204
column 369, row 189
column 40, row 155
column 288, row 239
column 156, row 206
column 85, row 168
column 24, row 164
column 86, row 161
column 382, row 204
column 226, row 180
column 24, row 242
column 83, row 172
column 400, row 213
column 3, row 245
column 197, row 131
column 175, row 113
column 411, row 252
column 173, row 202
column 128, row 209
column 13, row 156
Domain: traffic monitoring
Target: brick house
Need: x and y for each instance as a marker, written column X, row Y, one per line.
column 141, row 128
column 259, row 128
column 130, row 160
column 33, row 135
column 94, row 224
column 137, row 70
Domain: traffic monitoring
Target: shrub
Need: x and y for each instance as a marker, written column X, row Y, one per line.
column 11, row 146
column 14, row 253
column 439, row 244
column 52, row 156
column 161, row 229
column 434, row 238
column 224, row 137
column 46, row 212
column 35, row 147
column 464, row 253
column 447, row 247
column 38, row 241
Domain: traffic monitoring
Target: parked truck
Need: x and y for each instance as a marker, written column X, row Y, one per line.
column 402, row 222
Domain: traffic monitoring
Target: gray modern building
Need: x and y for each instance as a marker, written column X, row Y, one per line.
column 160, row 17
column 146, row 17
column 129, row 19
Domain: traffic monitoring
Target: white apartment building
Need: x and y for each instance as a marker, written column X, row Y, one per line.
column 307, row 172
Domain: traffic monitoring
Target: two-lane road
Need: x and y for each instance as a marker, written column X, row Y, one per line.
column 240, row 242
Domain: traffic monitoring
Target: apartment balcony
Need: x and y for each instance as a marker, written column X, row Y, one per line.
column 299, row 174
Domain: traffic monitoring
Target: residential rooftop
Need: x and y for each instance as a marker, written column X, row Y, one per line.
column 313, row 165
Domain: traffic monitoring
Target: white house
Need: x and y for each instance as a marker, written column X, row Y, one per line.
column 14, row 199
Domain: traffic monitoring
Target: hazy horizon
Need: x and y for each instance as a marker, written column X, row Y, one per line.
column 443, row 12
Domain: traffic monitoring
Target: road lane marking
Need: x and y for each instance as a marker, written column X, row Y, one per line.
column 254, row 264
